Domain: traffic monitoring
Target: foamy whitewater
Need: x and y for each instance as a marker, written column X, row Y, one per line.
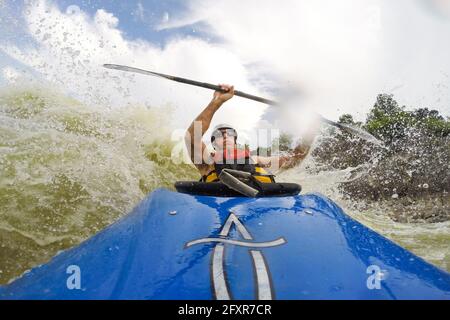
column 67, row 170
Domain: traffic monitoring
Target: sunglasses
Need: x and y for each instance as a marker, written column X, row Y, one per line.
column 227, row 132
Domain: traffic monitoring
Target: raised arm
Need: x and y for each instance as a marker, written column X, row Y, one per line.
column 195, row 132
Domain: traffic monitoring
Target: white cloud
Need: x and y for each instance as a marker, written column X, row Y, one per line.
column 340, row 54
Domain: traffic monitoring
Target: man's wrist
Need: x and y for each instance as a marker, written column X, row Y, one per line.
column 216, row 102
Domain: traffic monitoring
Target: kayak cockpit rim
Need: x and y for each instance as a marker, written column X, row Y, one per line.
column 219, row 189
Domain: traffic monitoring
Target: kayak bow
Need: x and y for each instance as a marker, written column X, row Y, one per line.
column 184, row 246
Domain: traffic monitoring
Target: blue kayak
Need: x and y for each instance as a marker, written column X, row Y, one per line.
column 184, row 246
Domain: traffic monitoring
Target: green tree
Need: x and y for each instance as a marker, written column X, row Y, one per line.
column 387, row 121
column 346, row 119
column 384, row 106
column 423, row 114
column 431, row 121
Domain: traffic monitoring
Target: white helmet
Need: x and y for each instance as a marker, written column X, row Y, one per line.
column 216, row 132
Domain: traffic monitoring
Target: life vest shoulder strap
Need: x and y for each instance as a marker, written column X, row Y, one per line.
column 210, row 177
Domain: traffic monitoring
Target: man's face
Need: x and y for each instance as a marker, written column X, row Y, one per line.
column 225, row 140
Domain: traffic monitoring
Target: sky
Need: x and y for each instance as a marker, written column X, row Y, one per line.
column 335, row 55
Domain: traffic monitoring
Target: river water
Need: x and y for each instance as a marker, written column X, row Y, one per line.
column 68, row 170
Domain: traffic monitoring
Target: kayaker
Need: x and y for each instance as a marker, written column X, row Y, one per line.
column 226, row 153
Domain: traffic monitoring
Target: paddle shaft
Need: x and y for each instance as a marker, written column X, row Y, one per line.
column 217, row 88
column 189, row 81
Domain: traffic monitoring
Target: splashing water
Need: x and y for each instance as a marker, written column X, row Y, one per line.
column 358, row 132
column 427, row 240
column 68, row 170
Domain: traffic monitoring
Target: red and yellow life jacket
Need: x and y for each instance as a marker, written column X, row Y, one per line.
column 237, row 160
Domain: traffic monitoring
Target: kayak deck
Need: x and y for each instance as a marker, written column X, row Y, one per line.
column 180, row 246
